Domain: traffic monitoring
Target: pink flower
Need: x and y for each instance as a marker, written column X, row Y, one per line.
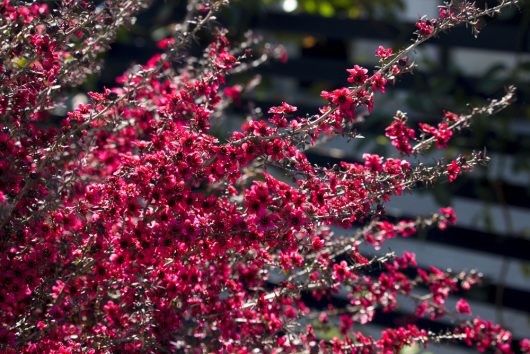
column 341, row 271
column 165, row 43
column 441, row 134
column 426, row 27
column 383, row 53
column 284, row 108
column 453, row 170
column 448, row 217
column 450, row 117
column 317, row 244
column 373, row 162
column 234, row 93
column 463, row 307
column 379, row 83
column 96, row 96
column 358, row 75
column 445, row 13
column 400, row 135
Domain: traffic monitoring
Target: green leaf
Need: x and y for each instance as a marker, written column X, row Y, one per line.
column 20, row 62
column 326, row 9
column 310, row 6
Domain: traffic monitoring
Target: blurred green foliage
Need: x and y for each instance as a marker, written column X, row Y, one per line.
column 350, row 8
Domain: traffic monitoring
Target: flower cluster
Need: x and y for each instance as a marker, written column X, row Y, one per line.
column 132, row 226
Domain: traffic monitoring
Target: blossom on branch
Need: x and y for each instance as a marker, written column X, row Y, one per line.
column 136, row 226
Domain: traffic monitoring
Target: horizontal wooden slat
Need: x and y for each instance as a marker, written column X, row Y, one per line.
column 493, row 36
column 476, row 240
column 332, row 71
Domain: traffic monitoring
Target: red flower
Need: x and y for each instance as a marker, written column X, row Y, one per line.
column 358, row 75
column 441, row 134
column 165, row 43
column 400, row 135
column 234, row 93
column 451, row 117
column 426, row 27
column 96, row 96
column 341, row 271
column 463, row 307
column 383, row 53
column 284, row 108
column 453, row 170
column 373, row 162
column 448, row 217
column 378, row 83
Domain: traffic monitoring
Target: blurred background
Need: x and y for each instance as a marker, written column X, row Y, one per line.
column 322, row 39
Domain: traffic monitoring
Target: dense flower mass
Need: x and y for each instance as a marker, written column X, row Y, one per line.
column 132, row 226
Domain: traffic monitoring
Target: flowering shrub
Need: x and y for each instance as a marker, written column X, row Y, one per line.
column 132, row 228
